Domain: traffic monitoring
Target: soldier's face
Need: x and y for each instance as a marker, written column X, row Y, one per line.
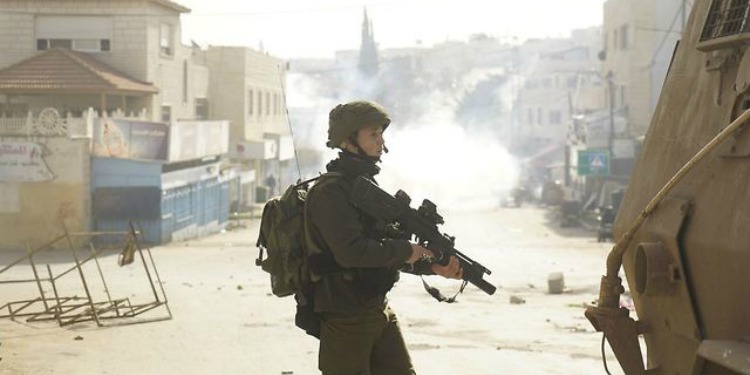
column 370, row 140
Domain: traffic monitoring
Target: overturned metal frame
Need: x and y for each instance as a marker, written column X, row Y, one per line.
column 68, row 310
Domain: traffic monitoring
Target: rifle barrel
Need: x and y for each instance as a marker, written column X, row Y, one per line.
column 484, row 285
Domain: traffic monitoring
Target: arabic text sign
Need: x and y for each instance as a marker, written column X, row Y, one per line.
column 23, row 162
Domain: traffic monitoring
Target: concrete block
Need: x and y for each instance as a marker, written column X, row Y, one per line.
column 555, row 283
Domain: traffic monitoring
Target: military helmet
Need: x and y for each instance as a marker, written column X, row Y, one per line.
column 346, row 119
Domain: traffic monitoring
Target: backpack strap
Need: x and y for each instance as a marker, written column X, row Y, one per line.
column 320, row 262
column 323, row 175
column 311, row 245
column 262, row 240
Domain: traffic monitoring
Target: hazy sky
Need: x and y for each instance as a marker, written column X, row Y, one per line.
column 317, row 28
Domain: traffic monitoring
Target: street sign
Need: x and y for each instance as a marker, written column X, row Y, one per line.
column 594, row 162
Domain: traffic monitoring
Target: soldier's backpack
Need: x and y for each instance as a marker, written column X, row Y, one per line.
column 282, row 238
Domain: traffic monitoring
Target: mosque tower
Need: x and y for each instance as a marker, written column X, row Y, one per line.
column 368, row 53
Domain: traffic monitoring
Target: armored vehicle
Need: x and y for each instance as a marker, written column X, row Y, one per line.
column 683, row 229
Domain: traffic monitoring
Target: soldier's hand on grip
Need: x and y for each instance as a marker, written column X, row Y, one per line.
column 452, row 270
column 419, row 252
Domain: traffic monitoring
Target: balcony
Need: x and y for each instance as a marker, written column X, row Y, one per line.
column 49, row 122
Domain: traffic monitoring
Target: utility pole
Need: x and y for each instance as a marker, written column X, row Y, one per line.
column 611, row 138
column 568, row 138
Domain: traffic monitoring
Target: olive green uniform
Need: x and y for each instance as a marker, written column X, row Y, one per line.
column 359, row 332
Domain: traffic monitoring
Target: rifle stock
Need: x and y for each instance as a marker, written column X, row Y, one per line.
column 418, row 223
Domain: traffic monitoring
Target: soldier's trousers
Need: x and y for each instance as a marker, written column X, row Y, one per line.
column 368, row 343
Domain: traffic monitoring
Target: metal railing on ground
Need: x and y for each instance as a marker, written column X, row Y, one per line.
column 59, row 296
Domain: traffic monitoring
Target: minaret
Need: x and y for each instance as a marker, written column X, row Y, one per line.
column 368, row 53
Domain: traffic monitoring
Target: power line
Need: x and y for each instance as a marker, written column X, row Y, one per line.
column 665, row 37
column 657, row 29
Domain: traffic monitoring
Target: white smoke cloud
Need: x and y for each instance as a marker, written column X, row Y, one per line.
column 440, row 161
column 431, row 157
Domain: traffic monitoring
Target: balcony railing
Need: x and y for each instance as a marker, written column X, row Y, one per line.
column 49, row 123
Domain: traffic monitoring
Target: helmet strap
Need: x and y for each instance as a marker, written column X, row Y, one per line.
column 360, row 151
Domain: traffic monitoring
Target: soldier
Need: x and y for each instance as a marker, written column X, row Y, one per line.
column 359, row 333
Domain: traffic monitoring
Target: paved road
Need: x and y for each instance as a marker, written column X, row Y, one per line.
column 226, row 322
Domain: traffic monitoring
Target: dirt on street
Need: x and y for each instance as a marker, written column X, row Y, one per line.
column 225, row 321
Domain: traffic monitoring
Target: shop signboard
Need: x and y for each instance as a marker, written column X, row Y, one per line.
column 129, row 139
column 198, row 139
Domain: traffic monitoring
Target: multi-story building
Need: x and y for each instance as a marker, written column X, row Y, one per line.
column 102, row 104
column 639, row 39
column 247, row 88
column 140, row 39
column 556, row 80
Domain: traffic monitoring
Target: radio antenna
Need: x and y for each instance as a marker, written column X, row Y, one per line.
column 289, row 123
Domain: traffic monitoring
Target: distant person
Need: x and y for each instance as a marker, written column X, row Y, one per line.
column 359, row 333
column 271, row 183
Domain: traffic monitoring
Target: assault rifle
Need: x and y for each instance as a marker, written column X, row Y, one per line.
column 420, row 223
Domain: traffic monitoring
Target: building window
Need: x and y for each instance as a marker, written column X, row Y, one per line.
column 86, row 45
column 606, row 41
column 83, row 45
column 250, row 102
column 185, row 80
column 260, row 103
column 80, row 33
column 61, row 43
column 625, row 41
column 555, row 117
column 726, row 20
column 268, row 103
column 572, row 82
column 201, row 109
column 615, row 40
column 166, row 113
column 539, row 116
column 166, row 45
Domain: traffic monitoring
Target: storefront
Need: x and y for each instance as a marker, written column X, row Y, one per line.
column 167, row 179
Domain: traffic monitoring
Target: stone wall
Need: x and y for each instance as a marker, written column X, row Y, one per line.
column 44, row 181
